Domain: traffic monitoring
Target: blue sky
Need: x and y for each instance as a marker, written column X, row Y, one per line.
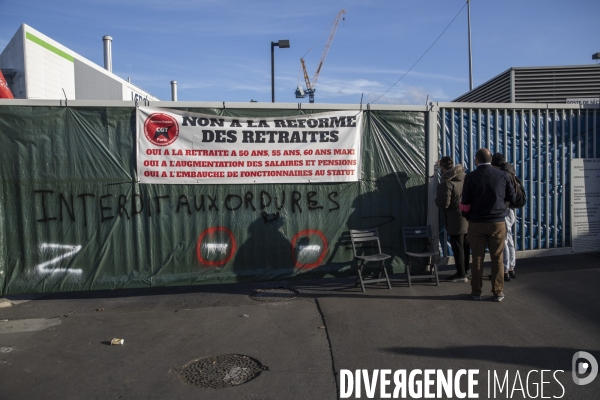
column 219, row 50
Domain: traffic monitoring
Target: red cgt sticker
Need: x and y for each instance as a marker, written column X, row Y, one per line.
column 161, row 129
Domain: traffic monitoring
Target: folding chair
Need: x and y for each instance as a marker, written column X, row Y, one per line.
column 420, row 232
column 368, row 235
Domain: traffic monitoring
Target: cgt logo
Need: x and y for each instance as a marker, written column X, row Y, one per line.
column 161, row 129
column 583, row 363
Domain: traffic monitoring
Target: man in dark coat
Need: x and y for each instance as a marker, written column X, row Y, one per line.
column 449, row 194
column 485, row 193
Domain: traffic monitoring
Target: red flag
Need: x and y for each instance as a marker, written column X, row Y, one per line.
column 5, row 92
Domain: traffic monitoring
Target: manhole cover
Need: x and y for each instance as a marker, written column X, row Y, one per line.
column 219, row 372
column 279, row 294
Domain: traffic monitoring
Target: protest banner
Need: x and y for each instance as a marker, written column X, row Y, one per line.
column 178, row 147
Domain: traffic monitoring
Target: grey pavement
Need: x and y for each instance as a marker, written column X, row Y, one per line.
column 57, row 346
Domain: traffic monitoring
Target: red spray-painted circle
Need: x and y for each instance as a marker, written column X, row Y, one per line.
column 308, row 232
column 161, row 129
column 211, row 231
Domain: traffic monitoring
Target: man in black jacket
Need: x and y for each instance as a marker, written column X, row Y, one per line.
column 485, row 193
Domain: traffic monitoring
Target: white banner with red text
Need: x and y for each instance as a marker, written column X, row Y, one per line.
column 179, row 147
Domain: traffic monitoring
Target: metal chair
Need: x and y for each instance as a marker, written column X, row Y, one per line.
column 368, row 235
column 420, row 232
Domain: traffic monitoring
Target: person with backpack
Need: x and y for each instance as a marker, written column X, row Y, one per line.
column 449, row 194
column 499, row 162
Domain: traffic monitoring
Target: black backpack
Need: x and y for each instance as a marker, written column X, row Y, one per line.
column 520, row 196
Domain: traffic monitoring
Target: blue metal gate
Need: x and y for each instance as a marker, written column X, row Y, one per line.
column 540, row 141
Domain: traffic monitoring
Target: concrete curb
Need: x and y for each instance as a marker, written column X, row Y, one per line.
column 24, row 298
column 5, row 302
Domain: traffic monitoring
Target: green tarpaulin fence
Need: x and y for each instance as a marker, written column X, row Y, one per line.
column 73, row 217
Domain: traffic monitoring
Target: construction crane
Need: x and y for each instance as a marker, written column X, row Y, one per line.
column 310, row 87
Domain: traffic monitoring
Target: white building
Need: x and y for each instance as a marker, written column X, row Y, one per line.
column 37, row 67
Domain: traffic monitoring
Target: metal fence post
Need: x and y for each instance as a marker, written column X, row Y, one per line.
column 432, row 142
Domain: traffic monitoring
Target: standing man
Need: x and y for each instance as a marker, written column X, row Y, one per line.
column 485, row 193
column 499, row 162
column 449, row 194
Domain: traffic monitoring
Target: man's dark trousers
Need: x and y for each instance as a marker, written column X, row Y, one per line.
column 462, row 251
column 492, row 235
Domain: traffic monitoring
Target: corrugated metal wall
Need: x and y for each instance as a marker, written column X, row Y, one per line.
column 540, row 142
column 556, row 84
column 538, row 85
column 496, row 90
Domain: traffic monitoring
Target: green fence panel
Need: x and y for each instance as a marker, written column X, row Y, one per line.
column 73, row 217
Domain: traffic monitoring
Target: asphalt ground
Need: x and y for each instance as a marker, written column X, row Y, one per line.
column 58, row 346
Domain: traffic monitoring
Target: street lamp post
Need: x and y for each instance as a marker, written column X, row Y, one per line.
column 282, row 44
column 470, row 59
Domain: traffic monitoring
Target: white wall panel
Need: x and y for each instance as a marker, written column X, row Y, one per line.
column 46, row 68
column 48, row 73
